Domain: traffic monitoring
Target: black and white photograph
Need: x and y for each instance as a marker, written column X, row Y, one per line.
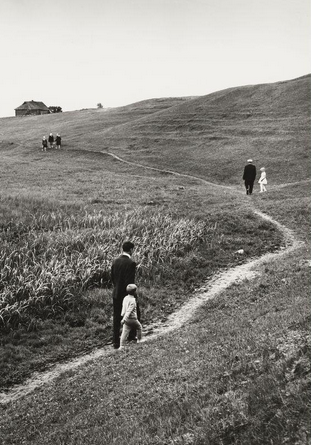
column 155, row 222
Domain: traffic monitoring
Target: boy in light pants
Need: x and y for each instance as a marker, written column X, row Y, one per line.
column 129, row 314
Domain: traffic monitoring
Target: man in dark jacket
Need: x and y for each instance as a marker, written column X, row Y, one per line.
column 249, row 176
column 122, row 273
column 51, row 140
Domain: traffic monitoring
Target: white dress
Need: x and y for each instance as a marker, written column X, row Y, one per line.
column 263, row 178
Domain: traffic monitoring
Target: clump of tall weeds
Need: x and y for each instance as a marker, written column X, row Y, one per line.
column 47, row 262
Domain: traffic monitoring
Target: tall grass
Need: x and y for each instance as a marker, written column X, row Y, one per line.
column 55, row 296
column 49, row 261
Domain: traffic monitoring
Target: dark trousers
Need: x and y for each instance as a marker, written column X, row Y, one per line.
column 117, row 309
column 249, row 187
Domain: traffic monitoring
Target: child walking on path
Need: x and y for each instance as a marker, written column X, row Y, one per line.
column 262, row 180
column 129, row 314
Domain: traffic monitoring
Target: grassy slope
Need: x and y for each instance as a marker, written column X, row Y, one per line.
column 75, row 125
column 86, row 181
column 239, row 373
column 212, row 136
column 90, row 182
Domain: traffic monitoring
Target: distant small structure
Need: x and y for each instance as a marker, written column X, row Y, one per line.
column 31, row 108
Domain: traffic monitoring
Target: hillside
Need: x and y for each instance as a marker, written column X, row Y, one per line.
column 223, row 278
column 269, row 122
column 76, row 123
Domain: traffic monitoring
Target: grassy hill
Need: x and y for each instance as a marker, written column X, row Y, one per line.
column 268, row 122
column 265, row 122
column 238, row 372
column 80, row 123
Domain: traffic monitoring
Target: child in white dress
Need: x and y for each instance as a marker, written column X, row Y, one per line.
column 262, row 180
column 129, row 314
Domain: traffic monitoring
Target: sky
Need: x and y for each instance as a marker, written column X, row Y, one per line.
column 78, row 53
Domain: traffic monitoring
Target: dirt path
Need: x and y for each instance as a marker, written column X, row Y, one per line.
column 209, row 290
column 223, row 280
column 171, row 172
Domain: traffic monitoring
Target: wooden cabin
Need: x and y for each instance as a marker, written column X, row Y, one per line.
column 31, row 108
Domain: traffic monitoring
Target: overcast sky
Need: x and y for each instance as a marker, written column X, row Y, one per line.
column 76, row 53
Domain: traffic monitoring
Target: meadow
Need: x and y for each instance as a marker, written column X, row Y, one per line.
column 56, row 258
column 239, row 372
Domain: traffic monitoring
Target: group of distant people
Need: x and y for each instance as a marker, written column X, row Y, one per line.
column 57, row 142
column 249, row 177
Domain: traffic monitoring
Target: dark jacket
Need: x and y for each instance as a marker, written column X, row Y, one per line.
column 249, row 173
column 122, row 273
column 58, row 140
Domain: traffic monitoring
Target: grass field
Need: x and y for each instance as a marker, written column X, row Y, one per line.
column 239, row 372
column 56, row 257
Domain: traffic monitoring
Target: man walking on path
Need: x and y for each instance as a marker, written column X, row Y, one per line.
column 122, row 274
column 249, row 176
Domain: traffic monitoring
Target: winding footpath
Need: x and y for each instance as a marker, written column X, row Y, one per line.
column 209, row 290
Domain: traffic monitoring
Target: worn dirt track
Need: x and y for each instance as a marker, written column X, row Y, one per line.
column 209, row 290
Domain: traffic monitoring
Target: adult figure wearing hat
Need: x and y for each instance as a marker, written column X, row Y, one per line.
column 249, row 176
column 123, row 271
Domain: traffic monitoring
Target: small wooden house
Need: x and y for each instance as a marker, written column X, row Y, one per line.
column 31, row 108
